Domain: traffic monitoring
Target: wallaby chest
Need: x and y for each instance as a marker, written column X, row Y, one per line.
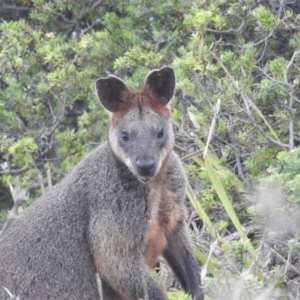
column 166, row 211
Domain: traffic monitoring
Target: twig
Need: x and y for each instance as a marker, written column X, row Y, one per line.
column 231, row 30
column 96, row 4
column 98, row 21
column 19, row 197
column 212, row 127
column 15, row 172
column 191, row 155
column 265, row 38
column 288, row 264
column 249, row 103
column 49, row 178
column 99, row 286
column 291, row 102
column 146, row 296
column 291, row 123
column 211, row 251
column 41, row 183
column 11, row 296
column 11, row 7
column 294, row 269
column 236, row 235
column 60, row 115
column 286, row 69
column 280, row 84
column 238, row 159
column 64, row 19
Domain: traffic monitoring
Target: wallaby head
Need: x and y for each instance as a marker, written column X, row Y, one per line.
column 140, row 134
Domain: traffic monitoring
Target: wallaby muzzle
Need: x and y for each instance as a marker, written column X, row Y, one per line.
column 145, row 168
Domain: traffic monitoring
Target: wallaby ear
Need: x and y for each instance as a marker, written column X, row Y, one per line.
column 162, row 83
column 110, row 91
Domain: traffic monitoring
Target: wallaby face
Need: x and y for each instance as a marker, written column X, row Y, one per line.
column 141, row 132
column 142, row 139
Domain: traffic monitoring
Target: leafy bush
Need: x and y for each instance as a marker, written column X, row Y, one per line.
column 242, row 53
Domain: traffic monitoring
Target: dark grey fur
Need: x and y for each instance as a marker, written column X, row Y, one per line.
column 96, row 219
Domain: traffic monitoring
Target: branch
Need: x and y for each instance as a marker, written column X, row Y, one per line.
column 289, row 92
column 46, row 134
column 290, row 107
column 255, row 124
column 19, row 197
column 278, row 83
column 249, row 103
column 265, row 38
column 263, row 52
column 98, row 21
column 96, row 4
column 291, row 123
column 280, row 257
column 288, row 66
column 231, row 30
column 238, row 160
column 212, row 127
column 249, row 230
column 11, row 296
column 60, row 115
column 16, row 172
column 81, row 14
column 64, row 19
column 3, row 40
column 99, row 286
column 12, row 7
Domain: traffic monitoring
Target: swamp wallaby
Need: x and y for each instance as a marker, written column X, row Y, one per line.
column 119, row 209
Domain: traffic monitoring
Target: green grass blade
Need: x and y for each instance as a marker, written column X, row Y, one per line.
column 203, row 259
column 201, row 212
column 225, row 201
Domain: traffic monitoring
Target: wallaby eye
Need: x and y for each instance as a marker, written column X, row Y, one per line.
column 125, row 136
column 161, row 133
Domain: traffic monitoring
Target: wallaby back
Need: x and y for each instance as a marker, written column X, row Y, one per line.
column 119, row 209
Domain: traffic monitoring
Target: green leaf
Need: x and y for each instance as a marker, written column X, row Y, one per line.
column 264, row 18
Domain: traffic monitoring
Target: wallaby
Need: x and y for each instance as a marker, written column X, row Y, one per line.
column 119, row 209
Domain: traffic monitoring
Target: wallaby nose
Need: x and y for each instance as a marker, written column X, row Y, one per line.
column 145, row 167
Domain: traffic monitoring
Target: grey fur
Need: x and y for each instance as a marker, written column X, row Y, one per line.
column 103, row 217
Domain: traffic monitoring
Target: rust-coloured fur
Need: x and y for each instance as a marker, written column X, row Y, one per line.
column 165, row 216
column 132, row 99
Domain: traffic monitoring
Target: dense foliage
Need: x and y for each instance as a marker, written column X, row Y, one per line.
column 243, row 53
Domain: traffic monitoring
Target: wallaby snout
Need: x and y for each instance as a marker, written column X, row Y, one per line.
column 145, row 168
